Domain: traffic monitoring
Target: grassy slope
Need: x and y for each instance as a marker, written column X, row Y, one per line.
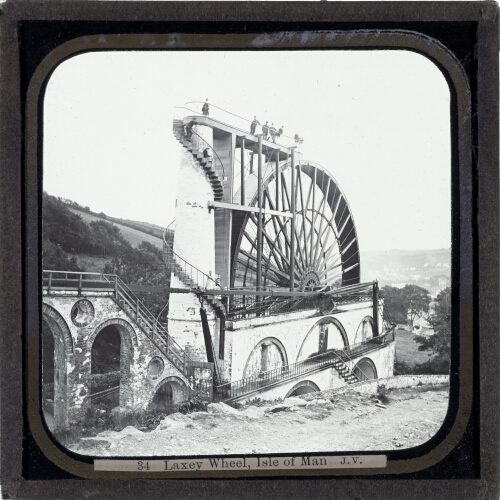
column 134, row 236
column 407, row 349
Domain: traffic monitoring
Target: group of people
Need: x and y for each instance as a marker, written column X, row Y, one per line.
column 267, row 131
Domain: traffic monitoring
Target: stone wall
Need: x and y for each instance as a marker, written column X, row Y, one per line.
column 73, row 339
column 398, row 382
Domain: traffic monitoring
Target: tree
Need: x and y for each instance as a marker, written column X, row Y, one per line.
column 56, row 259
column 64, row 228
column 416, row 301
column 440, row 321
column 403, row 304
column 393, row 304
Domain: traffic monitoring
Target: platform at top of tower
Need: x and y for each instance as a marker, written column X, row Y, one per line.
column 251, row 141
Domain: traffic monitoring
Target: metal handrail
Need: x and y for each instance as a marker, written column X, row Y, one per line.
column 158, row 331
column 208, row 144
column 229, row 112
column 102, row 394
column 264, row 379
column 176, row 257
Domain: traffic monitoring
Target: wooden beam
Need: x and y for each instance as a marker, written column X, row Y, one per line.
column 235, row 206
column 292, row 236
column 259, row 221
column 242, row 189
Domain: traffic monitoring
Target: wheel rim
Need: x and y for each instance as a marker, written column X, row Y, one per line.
column 326, row 246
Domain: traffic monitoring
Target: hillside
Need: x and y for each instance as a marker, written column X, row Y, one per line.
column 134, row 236
column 81, row 241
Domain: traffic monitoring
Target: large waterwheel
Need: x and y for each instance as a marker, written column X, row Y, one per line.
column 325, row 241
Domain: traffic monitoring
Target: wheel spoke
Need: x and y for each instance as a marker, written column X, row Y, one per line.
column 311, row 232
column 303, row 227
column 267, row 265
column 321, row 224
column 277, row 238
column 303, row 208
column 324, row 238
column 274, row 218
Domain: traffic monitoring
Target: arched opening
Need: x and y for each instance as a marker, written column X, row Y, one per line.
column 48, row 373
column 56, row 348
column 105, row 367
column 365, row 330
column 170, row 392
column 325, row 335
column 269, row 354
column 303, row 387
column 111, row 357
column 365, row 370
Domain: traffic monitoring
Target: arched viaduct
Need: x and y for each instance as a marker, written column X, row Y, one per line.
column 80, row 330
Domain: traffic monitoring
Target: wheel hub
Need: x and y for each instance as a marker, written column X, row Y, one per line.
column 309, row 279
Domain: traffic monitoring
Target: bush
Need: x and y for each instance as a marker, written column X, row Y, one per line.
column 104, row 380
column 382, row 393
column 435, row 366
column 194, row 404
column 402, row 368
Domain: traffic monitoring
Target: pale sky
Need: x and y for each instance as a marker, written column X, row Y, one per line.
column 379, row 121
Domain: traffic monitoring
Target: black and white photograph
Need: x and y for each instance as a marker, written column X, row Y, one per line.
column 245, row 253
column 249, row 250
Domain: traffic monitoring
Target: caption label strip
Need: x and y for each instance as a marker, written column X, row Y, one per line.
column 244, row 463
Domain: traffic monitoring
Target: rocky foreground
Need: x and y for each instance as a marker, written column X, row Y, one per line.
column 323, row 421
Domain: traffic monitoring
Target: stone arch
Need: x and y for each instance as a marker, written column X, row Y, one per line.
column 57, row 323
column 127, row 337
column 303, row 387
column 56, row 414
column 273, row 356
column 320, row 339
column 115, row 321
column 365, row 369
column 179, row 390
column 365, row 330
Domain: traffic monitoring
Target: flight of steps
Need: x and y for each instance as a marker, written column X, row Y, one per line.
column 157, row 334
column 186, row 278
column 206, row 163
column 344, row 372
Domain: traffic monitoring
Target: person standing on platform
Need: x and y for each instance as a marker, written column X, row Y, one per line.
column 253, row 126
column 272, row 131
column 205, row 108
column 280, row 131
column 265, row 130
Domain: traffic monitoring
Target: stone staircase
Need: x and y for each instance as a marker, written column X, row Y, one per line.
column 207, row 163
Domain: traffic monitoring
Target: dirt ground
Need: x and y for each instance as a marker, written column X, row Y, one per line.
column 321, row 421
